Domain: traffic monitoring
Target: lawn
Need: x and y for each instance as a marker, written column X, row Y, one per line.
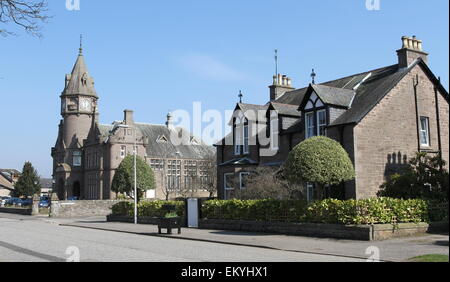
column 430, row 258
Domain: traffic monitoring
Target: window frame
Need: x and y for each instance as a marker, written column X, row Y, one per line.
column 310, row 192
column 77, row 155
column 246, row 137
column 225, row 175
column 274, row 132
column 319, row 125
column 307, row 127
column 424, row 130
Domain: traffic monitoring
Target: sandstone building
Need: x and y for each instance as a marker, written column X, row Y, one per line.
column 382, row 117
column 87, row 153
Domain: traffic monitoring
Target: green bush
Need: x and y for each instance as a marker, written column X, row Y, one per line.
column 319, row 160
column 423, row 178
column 259, row 210
column 368, row 211
column 150, row 209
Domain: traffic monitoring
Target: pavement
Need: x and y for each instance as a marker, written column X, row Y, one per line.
column 395, row 250
column 36, row 239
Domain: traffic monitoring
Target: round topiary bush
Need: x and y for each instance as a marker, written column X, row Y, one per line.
column 319, row 160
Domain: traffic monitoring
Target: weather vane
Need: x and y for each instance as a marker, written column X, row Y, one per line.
column 240, row 96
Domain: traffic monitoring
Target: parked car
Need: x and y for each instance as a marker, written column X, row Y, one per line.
column 27, row 202
column 14, row 202
column 3, row 201
column 44, row 202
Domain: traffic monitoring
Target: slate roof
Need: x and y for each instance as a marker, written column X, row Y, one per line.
column 286, row 109
column 194, row 148
column 334, row 96
column 360, row 93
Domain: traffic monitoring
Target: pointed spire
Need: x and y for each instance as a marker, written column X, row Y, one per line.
column 79, row 81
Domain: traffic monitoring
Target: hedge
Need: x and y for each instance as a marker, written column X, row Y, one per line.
column 368, row 211
column 149, row 209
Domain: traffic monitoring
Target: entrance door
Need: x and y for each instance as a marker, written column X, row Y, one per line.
column 76, row 190
column 192, row 212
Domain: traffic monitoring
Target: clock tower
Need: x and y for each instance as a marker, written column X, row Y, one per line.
column 78, row 104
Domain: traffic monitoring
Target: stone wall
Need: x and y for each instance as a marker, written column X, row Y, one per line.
column 375, row 232
column 16, row 211
column 386, row 139
column 73, row 209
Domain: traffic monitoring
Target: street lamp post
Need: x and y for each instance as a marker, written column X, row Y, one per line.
column 135, row 180
column 134, row 171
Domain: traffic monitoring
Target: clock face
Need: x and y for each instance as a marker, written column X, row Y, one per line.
column 85, row 104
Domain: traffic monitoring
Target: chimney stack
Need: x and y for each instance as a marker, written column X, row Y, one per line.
column 412, row 49
column 281, row 84
column 128, row 117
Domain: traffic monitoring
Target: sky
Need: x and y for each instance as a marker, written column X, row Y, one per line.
column 159, row 56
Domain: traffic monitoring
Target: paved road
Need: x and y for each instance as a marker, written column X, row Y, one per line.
column 26, row 239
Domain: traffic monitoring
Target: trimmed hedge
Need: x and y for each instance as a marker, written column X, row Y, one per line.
column 368, row 211
column 149, row 209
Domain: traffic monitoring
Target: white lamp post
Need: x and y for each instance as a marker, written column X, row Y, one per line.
column 134, row 171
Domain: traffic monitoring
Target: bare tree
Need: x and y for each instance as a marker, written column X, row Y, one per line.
column 269, row 183
column 24, row 13
column 210, row 175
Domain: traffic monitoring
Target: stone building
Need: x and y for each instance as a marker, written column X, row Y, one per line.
column 87, row 153
column 8, row 177
column 381, row 117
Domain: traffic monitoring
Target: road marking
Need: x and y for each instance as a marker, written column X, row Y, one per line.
column 30, row 252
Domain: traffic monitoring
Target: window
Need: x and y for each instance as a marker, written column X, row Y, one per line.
column 274, row 133
column 76, row 158
column 157, row 164
column 424, row 131
column 321, row 122
column 228, row 181
column 237, row 140
column 243, row 177
column 246, row 138
column 309, row 123
column 309, row 192
column 123, row 151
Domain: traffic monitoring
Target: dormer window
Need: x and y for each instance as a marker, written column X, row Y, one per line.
column 246, row 137
column 316, row 120
column 274, row 132
column 321, row 122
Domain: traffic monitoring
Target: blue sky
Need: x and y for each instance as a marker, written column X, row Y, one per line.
column 156, row 56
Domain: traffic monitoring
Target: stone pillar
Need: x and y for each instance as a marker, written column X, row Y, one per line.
column 35, row 205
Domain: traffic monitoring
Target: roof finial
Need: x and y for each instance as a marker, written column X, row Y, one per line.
column 240, row 96
column 81, row 45
column 313, row 76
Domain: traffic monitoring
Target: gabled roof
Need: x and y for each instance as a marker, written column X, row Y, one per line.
column 187, row 150
column 79, row 81
column 340, row 97
column 370, row 93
